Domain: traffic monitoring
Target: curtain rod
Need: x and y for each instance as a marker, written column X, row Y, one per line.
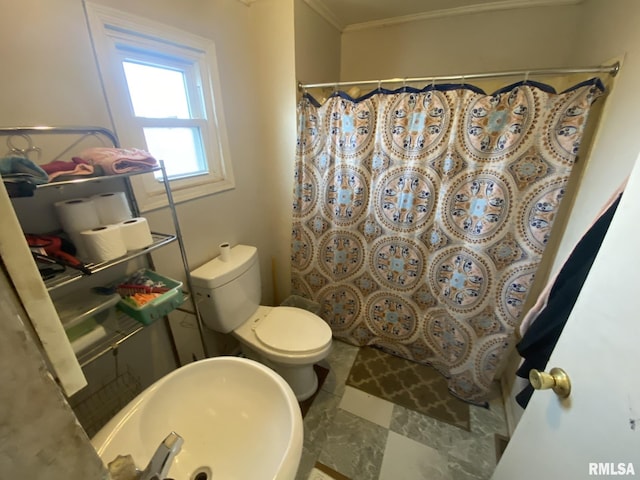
column 610, row 69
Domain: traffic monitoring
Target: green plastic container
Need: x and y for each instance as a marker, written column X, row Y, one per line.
column 158, row 307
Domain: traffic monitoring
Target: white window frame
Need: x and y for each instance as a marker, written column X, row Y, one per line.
column 112, row 31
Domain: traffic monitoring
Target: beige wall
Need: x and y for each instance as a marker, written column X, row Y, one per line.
column 318, row 46
column 272, row 44
column 49, row 75
column 510, row 39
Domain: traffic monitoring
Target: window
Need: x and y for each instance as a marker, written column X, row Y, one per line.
column 163, row 93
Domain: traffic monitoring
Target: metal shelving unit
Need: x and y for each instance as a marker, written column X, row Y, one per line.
column 123, row 327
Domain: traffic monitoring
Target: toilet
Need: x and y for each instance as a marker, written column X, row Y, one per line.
column 287, row 339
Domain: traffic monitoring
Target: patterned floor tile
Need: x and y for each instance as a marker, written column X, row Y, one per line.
column 350, row 437
column 319, row 418
column 367, row 406
column 322, row 472
column 307, row 462
column 426, row 430
column 339, row 361
column 406, row 459
column 489, row 420
column 462, row 471
column 354, row 447
column 476, row 453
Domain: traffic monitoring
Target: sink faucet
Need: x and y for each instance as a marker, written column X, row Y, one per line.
column 159, row 465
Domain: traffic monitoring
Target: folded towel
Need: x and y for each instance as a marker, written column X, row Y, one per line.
column 21, row 167
column 79, row 170
column 62, row 166
column 118, row 160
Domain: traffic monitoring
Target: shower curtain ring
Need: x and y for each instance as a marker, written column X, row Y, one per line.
column 526, row 77
column 404, row 85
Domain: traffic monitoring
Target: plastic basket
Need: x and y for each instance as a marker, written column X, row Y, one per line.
column 158, row 307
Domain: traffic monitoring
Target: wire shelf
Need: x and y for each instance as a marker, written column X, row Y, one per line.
column 70, row 275
column 119, row 330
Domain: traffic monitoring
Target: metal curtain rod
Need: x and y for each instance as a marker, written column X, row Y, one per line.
column 610, row 69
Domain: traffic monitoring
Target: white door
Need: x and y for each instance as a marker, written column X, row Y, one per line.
column 596, row 430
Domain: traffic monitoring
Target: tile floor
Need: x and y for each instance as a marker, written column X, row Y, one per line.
column 366, row 438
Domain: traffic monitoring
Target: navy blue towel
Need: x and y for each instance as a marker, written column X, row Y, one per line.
column 541, row 338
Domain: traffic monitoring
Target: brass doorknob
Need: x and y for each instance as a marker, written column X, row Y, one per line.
column 557, row 379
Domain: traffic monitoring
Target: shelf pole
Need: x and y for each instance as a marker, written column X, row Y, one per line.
column 183, row 253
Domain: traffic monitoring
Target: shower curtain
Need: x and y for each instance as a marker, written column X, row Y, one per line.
column 421, row 215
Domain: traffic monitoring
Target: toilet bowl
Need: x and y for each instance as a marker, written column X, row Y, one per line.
column 290, row 340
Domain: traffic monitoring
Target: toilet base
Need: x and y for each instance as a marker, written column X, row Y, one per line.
column 302, row 379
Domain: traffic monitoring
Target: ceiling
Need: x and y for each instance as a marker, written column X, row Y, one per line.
column 359, row 14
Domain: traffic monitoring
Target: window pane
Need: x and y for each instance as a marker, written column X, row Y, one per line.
column 180, row 148
column 156, row 92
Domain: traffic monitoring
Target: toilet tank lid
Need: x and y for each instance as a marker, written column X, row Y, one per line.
column 216, row 273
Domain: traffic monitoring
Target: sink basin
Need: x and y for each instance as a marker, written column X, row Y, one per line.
column 239, row 420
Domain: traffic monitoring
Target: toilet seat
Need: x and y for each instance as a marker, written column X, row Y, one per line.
column 291, row 330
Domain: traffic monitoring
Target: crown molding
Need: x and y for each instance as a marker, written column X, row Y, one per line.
column 451, row 12
column 321, row 9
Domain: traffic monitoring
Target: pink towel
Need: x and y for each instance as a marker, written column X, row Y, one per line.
column 80, row 170
column 62, row 166
column 119, row 160
column 543, row 298
column 75, row 168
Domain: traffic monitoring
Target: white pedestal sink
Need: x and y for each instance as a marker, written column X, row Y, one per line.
column 239, row 421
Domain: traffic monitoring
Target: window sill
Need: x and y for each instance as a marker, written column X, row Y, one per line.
column 149, row 201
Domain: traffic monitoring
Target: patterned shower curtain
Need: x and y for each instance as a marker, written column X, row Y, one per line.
column 420, row 216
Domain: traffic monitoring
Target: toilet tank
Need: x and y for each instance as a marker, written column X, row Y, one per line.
column 228, row 293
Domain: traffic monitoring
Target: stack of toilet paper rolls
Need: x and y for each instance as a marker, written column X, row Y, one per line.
column 102, row 227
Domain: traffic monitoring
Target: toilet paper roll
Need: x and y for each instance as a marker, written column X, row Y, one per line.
column 78, row 242
column 103, row 243
column 136, row 233
column 77, row 214
column 225, row 252
column 112, row 207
